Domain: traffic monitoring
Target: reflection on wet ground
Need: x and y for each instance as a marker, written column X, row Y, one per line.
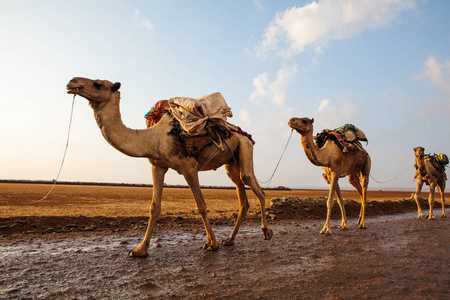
column 297, row 262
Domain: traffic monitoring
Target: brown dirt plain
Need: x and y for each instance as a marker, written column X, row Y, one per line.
column 73, row 245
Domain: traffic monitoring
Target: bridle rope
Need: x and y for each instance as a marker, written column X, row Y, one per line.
column 65, row 152
column 276, row 167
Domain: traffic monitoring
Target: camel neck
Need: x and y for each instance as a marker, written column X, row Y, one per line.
column 131, row 142
column 311, row 150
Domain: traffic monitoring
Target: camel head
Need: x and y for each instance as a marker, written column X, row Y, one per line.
column 96, row 91
column 419, row 151
column 301, row 125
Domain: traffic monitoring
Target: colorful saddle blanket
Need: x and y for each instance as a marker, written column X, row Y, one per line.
column 197, row 122
column 156, row 112
column 347, row 137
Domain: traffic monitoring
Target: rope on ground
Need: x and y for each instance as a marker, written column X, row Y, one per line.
column 276, row 167
column 65, row 152
column 392, row 178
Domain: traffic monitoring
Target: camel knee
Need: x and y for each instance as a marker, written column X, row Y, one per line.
column 155, row 210
column 245, row 207
column 246, row 179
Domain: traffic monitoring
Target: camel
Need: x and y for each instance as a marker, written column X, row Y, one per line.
column 355, row 164
column 427, row 173
column 164, row 151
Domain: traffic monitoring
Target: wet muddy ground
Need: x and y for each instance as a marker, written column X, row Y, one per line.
column 396, row 257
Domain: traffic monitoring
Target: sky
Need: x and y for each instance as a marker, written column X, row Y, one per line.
column 383, row 66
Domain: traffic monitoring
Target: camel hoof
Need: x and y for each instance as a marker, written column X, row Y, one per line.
column 268, row 233
column 362, row 226
column 136, row 253
column 209, row 247
column 228, row 242
column 420, row 215
column 443, row 216
column 343, row 227
column 325, row 231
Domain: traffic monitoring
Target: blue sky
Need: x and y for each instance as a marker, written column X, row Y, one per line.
column 383, row 66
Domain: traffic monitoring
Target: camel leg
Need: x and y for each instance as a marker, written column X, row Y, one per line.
column 417, row 199
column 354, row 181
column 194, row 185
column 233, row 173
column 248, row 177
column 365, row 184
column 344, row 224
column 333, row 186
column 430, row 215
column 155, row 210
column 441, row 188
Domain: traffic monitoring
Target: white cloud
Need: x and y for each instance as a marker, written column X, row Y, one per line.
column 323, row 105
column 437, row 74
column 329, row 116
column 274, row 91
column 145, row 23
column 313, row 25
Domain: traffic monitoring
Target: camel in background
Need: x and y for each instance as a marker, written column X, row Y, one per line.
column 355, row 164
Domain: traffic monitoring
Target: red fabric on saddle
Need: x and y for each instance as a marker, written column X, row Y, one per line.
column 155, row 114
column 342, row 140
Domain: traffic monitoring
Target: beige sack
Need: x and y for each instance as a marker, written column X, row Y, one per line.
column 194, row 113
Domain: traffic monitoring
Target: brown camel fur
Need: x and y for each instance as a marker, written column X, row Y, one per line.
column 429, row 174
column 336, row 164
column 164, row 151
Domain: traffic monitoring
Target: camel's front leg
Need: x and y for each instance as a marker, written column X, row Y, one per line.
column 333, row 185
column 441, row 188
column 193, row 182
column 430, row 215
column 417, row 199
column 155, row 210
column 344, row 224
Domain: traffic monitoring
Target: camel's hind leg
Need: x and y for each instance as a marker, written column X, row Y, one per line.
column 194, row 185
column 344, row 224
column 430, row 215
column 417, row 199
column 355, row 182
column 234, row 174
column 441, row 188
column 248, row 178
column 155, row 210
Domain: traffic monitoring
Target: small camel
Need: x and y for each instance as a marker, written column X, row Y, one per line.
column 164, row 151
column 427, row 173
column 336, row 164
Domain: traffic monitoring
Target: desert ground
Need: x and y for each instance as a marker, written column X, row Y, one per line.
column 74, row 244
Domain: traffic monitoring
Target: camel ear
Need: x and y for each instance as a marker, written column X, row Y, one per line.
column 115, row 87
column 312, row 120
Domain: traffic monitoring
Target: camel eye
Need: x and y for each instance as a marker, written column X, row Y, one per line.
column 97, row 85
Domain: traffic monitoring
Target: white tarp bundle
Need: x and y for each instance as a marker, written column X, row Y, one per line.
column 194, row 113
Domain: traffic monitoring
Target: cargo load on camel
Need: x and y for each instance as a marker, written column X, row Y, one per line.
column 347, row 137
column 197, row 122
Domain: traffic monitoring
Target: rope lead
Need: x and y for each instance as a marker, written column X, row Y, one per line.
column 65, row 152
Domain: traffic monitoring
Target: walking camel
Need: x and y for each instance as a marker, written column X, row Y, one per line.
column 164, row 151
column 355, row 164
column 427, row 173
